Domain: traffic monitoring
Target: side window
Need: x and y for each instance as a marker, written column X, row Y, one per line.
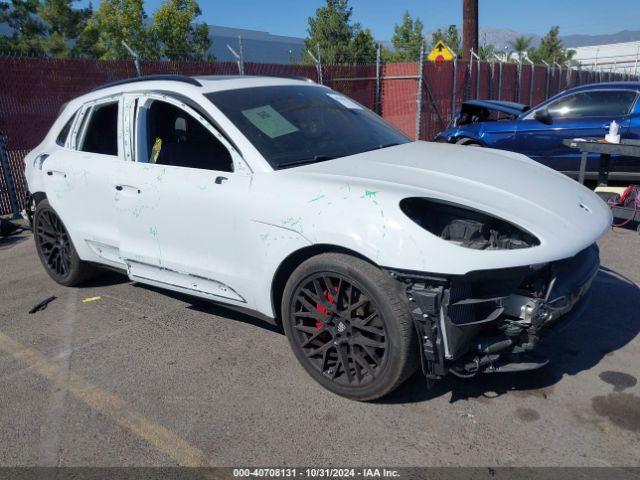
column 174, row 137
column 602, row 103
column 64, row 133
column 610, row 103
column 101, row 135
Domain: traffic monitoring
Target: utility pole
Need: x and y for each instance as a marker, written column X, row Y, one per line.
column 469, row 28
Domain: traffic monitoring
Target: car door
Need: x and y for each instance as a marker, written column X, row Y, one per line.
column 583, row 114
column 79, row 177
column 182, row 201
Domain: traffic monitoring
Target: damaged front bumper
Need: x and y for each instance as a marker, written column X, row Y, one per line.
column 491, row 321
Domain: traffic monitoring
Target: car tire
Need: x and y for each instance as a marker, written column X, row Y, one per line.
column 340, row 310
column 468, row 142
column 55, row 248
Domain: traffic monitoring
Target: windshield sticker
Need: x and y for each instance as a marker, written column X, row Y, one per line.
column 270, row 122
column 344, row 101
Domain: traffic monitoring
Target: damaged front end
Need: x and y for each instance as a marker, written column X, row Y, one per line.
column 491, row 321
column 478, row 111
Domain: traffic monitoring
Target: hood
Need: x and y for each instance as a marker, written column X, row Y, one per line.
column 510, row 186
column 511, row 108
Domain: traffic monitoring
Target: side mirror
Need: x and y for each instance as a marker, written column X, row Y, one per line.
column 543, row 116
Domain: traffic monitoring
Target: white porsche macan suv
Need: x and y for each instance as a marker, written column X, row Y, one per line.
column 283, row 197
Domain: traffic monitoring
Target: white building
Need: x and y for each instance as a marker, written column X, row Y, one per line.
column 616, row 57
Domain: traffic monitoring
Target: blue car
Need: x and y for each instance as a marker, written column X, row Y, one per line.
column 538, row 132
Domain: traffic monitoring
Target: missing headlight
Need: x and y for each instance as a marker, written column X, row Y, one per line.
column 466, row 227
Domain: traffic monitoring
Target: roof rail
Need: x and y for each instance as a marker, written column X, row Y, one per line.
column 174, row 78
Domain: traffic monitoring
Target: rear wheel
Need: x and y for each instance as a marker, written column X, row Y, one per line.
column 55, row 248
column 350, row 326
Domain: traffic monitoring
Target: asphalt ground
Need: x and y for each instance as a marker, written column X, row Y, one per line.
column 142, row 377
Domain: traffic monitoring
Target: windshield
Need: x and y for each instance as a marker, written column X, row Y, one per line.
column 295, row 125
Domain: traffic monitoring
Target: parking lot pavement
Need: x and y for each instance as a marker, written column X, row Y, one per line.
column 144, row 377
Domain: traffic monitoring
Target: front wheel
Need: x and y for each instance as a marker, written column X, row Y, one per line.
column 350, row 326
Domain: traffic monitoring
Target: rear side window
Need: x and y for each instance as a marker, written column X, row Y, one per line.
column 101, row 135
column 600, row 103
column 64, row 133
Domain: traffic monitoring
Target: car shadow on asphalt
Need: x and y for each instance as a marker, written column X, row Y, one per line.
column 609, row 320
column 215, row 309
column 11, row 240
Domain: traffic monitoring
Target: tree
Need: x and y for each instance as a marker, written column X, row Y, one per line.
column 407, row 39
column 486, row 52
column 63, row 25
column 451, row 39
column 87, row 45
column 520, row 45
column 363, row 49
column 179, row 36
column 551, row 50
column 27, row 29
column 332, row 32
column 118, row 20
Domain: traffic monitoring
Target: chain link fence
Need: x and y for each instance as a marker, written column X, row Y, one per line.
column 419, row 98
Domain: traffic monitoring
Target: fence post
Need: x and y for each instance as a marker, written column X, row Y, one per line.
column 474, row 55
column 455, row 86
column 319, row 65
column 556, row 64
column 239, row 56
column 136, row 57
column 378, row 95
column 419, row 92
column 519, row 82
column 491, row 72
column 531, row 79
column 8, row 177
column 548, row 82
column 241, row 59
column 500, row 81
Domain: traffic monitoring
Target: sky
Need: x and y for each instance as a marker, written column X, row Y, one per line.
column 289, row 17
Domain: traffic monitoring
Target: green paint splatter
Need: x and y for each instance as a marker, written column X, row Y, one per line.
column 316, row 198
column 162, row 173
column 294, row 223
column 153, row 231
column 369, row 194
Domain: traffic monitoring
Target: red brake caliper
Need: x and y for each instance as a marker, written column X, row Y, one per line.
column 323, row 310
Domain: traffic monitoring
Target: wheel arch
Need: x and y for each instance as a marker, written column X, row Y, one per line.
column 32, row 201
column 38, row 197
column 295, row 259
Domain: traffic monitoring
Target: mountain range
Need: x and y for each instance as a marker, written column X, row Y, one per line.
column 500, row 37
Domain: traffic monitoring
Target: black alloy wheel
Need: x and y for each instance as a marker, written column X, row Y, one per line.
column 54, row 243
column 349, row 325
column 55, row 248
column 339, row 329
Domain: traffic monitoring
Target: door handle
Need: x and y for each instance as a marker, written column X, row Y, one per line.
column 220, row 180
column 56, row 172
column 128, row 188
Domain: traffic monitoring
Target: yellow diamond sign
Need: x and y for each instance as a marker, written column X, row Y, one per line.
column 440, row 53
